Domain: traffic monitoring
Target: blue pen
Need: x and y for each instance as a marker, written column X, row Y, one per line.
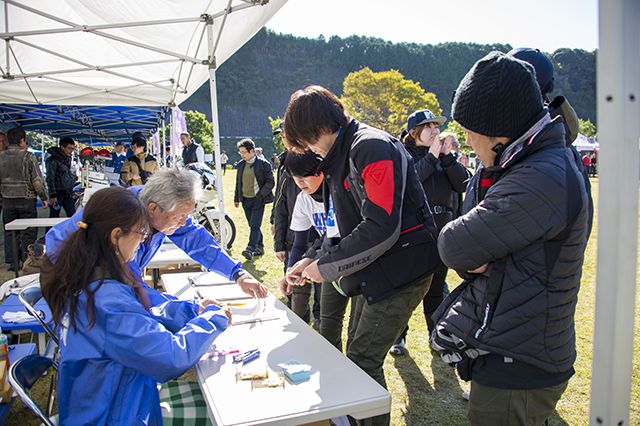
column 251, row 357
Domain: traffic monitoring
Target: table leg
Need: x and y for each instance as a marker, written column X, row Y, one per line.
column 155, row 273
column 14, row 247
column 41, row 344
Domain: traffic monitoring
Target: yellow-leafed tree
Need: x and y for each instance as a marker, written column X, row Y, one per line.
column 385, row 99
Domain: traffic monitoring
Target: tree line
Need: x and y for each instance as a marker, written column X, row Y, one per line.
column 256, row 82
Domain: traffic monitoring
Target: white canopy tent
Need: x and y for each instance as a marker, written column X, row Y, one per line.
column 147, row 52
column 119, row 52
column 582, row 143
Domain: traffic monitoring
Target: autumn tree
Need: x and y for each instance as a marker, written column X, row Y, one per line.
column 385, row 99
column 277, row 138
column 200, row 129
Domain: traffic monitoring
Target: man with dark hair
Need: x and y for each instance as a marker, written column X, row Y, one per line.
column 520, row 247
column 254, row 183
column 191, row 151
column 375, row 204
column 139, row 167
column 20, row 184
column 60, row 178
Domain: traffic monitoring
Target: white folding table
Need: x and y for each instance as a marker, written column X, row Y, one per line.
column 21, row 225
column 337, row 386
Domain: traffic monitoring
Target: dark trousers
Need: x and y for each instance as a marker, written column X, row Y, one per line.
column 433, row 299
column 300, row 301
column 512, row 407
column 374, row 328
column 333, row 306
column 254, row 211
column 65, row 202
column 18, row 208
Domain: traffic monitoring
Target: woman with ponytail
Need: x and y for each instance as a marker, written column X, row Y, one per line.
column 114, row 346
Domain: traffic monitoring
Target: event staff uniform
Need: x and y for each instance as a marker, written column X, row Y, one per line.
column 121, row 358
column 192, row 238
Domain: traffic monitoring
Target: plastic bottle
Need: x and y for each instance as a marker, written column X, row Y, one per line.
column 5, row 387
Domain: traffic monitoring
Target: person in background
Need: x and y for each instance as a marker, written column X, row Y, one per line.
column 191, row 151
column 520, row 247
column 137, row 169
column 254, row 183
column 260, row 154
column 118, row 156
column 308, row 223
column 442, row 178
column 60, row 178
column 20, row 184
column 224, row 159
column 113, row 339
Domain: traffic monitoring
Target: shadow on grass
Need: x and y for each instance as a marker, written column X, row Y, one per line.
column 418, row 389
column 556, row 420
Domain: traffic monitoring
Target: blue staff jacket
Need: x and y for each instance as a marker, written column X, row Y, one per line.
column 108, row 373
column 192, row 238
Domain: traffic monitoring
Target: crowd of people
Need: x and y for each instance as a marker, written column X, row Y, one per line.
column 360, row 218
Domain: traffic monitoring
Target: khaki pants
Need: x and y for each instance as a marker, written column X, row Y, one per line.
column 526, row 407
column 374, row 328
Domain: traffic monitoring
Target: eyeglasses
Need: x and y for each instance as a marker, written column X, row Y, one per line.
column 144, row 233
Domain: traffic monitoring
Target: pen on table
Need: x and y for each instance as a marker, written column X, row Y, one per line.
column 298, row 277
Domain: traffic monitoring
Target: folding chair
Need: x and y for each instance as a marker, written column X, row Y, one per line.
column 29, row 297
column 23, row 374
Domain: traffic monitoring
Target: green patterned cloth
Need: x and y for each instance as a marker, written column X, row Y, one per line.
column 182, row 404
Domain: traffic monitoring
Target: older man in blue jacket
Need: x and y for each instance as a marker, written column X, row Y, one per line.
column 170, row 197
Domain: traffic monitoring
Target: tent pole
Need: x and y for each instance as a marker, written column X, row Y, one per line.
column 164, row 142
column 216, row 132
column 618, row 93
column 42, row 156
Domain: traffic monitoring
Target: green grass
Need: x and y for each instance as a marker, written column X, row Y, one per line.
column 424, row 390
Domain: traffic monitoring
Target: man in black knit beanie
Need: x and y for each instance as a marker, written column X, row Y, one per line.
column 519, row 245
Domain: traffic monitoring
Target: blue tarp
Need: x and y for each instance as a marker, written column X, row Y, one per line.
column 91, row 125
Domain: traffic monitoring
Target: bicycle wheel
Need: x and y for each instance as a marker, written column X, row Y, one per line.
column 215, row 229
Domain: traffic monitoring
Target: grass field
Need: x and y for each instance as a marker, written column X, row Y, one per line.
column 424, row 390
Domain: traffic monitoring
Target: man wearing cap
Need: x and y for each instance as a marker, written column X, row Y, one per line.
column 443, row 178
column 138, row 168
column 385, row 256
column 191, row 151
column 520, row 247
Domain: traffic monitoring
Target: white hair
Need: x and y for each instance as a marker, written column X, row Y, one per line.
column 170, row 186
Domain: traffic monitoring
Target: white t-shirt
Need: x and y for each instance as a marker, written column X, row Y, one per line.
column 308, row 212
column 332, row 226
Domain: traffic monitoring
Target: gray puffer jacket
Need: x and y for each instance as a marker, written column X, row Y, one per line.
column 521, row 205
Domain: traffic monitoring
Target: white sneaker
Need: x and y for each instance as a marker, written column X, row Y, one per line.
column 466, row 395
column 399, row 348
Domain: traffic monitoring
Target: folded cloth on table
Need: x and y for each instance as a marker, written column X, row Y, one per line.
column 295, row 371
column 17, row 317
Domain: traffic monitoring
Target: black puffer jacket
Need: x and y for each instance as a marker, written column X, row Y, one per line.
column 60, row 178
column 526, row 203
column 442, row 179
column 286, row 193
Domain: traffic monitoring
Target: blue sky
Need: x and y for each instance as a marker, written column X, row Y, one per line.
column 544, row 24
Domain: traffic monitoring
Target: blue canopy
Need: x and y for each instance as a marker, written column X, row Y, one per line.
column 91, row 125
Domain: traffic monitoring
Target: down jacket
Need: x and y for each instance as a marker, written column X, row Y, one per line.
column 526, row 204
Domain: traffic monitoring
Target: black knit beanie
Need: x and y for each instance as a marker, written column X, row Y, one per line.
column 499, row 97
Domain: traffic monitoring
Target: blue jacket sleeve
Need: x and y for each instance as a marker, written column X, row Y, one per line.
column 200, row 245
column 138, row 341
column 56, row 235
column 174, row 314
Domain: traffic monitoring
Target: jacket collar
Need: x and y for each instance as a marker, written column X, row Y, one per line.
column 340, row 150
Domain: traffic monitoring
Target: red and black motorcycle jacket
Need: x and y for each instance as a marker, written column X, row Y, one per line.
column 388, row 235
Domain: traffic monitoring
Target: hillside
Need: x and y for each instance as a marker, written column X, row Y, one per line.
column 257, row 81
